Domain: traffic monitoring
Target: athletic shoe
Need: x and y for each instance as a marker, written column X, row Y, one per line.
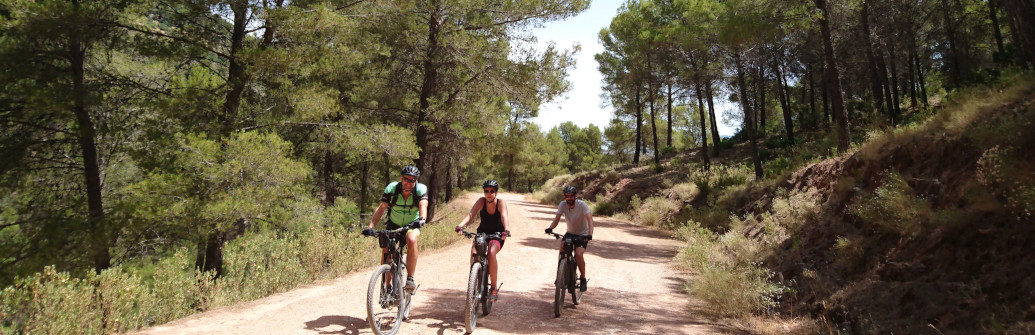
column 409, row 284
column 582, row 284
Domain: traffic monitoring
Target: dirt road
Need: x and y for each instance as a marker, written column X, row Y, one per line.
column 633, row 289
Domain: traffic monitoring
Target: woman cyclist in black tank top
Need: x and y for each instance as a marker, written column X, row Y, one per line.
column 493, row 214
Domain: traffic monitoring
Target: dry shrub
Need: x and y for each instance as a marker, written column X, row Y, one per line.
column 551, row 192
column 735, row 291
column 776, row 325
column 894, row 207
column 684, row 192
column 656, row 211
column 603, row 207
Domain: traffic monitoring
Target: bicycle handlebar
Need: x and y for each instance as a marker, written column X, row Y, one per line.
column 471, row 235
column 580, row 237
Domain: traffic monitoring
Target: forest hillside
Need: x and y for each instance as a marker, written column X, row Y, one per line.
column 918, row 229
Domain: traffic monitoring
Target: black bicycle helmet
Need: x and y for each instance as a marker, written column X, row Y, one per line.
column 570, row 190
column 491, row 183
column 411, row 170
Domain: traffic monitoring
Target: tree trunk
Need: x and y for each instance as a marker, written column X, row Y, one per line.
column 825, row 91
column 700, row 111
column 236, row 76
column 669, row 139
column 639, row 130
column 449, row 177
column 98, row 241
column 875, row 76
column 1022, row 27
column 364, row 181
column 761, row 100
column 749, row 123
column 919, row 74
column 950, row 35
column 329, row 189
column 833, row 79
column 653, row 120
column 429, row 86
column 911, row 81
column 812, row 97
column 897, row 110
column 712, row 118
column 432, row 186
column 785, row 104
column 993, row 15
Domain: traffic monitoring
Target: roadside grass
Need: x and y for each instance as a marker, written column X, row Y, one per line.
column 132, row 295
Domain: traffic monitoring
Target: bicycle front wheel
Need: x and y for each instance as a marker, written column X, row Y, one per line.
column 474, row 285
column 383, row 311
column 562, row 280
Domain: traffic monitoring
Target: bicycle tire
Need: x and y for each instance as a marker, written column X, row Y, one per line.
column 486, row 291
column 576, row 293
column 383, row 323
column 406, row 296
column 558, row 297
column 474, row 285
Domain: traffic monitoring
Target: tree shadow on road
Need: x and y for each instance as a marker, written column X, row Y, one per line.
column 352, row 325
column 645, row 253
column 602, row 310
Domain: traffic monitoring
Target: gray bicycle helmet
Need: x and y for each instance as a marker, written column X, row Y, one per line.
column 411, row 170
column 491, row 183
column 570, row 190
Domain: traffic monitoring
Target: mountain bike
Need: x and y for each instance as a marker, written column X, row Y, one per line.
column 478, row 283
column 566, row 276
column 388, row 304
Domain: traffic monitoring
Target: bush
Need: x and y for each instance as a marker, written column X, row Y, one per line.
column 603, row 207
column 668, row 151
column 735, row 291
column 657, row 168
column 777, row 142
column 656, row 211
column 684, row 192
column 893, row 206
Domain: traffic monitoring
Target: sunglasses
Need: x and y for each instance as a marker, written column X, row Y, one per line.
column 569, row 196
column 410, row 180
column 490, row 191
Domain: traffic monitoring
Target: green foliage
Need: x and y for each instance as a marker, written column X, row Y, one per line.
column 603, row 207
column 668, row 151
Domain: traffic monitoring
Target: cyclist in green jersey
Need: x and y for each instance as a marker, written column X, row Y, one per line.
column 406, row 202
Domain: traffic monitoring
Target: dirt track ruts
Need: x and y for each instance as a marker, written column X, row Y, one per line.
column 633, row 289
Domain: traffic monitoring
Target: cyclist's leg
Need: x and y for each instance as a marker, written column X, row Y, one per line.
column 411, row 251
column 579, row 251
column 494, row 248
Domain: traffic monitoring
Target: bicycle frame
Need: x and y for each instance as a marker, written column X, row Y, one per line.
column 566, row 277
column 386, row 285
column 478, row 284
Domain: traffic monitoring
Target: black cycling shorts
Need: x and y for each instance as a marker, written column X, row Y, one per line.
column 579, row 242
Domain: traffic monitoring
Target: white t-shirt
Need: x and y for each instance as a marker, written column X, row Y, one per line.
column 575, row 217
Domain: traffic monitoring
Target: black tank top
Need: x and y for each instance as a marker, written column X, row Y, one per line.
column 491, row 223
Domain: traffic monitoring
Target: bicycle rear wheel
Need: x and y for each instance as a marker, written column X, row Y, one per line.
column 474, row 287
column 560, row 283
column 383, row 312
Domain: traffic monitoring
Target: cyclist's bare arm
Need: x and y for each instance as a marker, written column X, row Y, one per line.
column 503, row 216
column 422, row 206
column 556, row 219
column 377, row 214
column 470, row 215
column 589, row 220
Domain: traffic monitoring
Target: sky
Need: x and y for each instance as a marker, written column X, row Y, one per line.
column 582, row 104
